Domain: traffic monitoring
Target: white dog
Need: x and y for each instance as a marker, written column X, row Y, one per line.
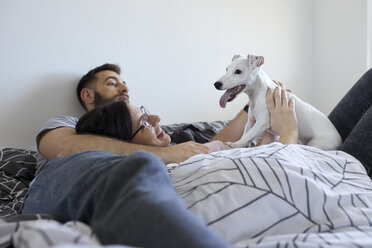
column 245, row 74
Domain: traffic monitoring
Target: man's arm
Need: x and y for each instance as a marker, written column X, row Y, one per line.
column 234, row 130
column 64, row 141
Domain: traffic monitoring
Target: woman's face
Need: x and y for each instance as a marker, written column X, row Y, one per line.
column 153, row 136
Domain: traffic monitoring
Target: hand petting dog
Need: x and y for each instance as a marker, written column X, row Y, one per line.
column 283, row 120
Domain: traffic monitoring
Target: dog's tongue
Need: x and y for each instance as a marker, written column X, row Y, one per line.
column 225, row 97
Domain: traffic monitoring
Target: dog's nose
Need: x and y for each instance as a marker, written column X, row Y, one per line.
column 218, row 85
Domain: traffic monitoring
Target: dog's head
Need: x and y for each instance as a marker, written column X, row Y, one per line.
column 240, row 74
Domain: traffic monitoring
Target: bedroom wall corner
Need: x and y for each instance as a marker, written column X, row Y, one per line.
column 340, row 49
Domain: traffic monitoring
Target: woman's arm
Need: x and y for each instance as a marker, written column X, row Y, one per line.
column 234, row 130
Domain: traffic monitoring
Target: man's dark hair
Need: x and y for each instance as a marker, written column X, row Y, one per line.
column 89, row 79
column 111, row 119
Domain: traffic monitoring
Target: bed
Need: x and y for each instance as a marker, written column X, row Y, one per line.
column 251, row 197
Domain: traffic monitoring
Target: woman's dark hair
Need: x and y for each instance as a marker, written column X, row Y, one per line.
column 89, row 79
column 110, row 119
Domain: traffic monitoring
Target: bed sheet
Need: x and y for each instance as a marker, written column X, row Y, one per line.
column 279, row 196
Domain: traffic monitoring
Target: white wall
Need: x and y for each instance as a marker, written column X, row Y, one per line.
column 171, row 53
column 340, row 49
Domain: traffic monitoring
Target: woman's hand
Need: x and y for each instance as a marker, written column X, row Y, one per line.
column 180, row 152
column 282, row 86
column 283, row 120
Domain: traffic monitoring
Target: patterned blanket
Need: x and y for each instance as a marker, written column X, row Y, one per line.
column 279, row 196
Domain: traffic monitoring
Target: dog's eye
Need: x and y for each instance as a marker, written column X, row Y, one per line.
column 238, row 71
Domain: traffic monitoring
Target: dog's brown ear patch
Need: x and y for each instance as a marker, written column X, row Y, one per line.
column 261, row 62
column 235, row 57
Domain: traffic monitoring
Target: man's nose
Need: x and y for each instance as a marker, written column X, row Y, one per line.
column 123, row 88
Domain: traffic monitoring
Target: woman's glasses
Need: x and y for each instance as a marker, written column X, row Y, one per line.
column 145, row 120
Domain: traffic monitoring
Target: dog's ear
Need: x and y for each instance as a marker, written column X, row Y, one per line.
column 261, row 61
column 256, row 61
column 236, row 56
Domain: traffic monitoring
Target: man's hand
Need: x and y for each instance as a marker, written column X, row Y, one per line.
column 283, row 120
column 180, row 152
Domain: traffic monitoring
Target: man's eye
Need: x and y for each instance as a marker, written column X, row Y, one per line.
column 238, row 71
column 112, row 83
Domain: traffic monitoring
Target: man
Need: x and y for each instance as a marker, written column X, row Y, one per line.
column 126, row 199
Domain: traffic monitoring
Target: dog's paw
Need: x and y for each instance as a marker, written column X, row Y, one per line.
column 233, row 144
column 229, row 144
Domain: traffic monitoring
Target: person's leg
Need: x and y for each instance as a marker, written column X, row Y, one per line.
column 352, row 106
column 352, row 118
column 126, row 200
column 59, row 188
column 359, row 142
column 139, row 199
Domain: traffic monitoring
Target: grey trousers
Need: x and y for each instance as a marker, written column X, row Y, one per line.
column 352, row 117
column 125, row 199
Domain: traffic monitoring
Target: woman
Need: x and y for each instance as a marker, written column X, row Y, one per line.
column 125, row 122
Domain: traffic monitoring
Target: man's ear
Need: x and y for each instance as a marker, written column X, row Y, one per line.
column 87, row 95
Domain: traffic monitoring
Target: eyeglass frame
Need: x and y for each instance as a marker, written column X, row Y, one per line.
column 144, row 121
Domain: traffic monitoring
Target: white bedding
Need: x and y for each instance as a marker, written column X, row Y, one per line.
column 44, row 233
column 279, row 196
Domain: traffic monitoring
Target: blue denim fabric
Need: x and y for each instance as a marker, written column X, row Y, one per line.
column 353, row 119
column 126, row 200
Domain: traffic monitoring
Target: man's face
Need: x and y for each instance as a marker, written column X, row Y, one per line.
column 110, row 87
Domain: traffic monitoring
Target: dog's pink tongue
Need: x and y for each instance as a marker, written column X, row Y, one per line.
column 225, row 97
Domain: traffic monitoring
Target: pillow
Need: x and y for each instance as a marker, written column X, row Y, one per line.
column 17, row 170
column 200, row 132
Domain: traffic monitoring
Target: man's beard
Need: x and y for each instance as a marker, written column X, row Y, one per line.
column 100, row 100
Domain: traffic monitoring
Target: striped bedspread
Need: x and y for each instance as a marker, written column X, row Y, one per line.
column 279, row 196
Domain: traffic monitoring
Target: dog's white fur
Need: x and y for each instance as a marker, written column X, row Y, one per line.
column 315, row 129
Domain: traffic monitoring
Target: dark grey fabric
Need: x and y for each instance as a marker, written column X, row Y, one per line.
column 201, row 132
column 353, row 119
column 191, row 133
column 212, row 127
column 126, row 200
column 17, row 168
